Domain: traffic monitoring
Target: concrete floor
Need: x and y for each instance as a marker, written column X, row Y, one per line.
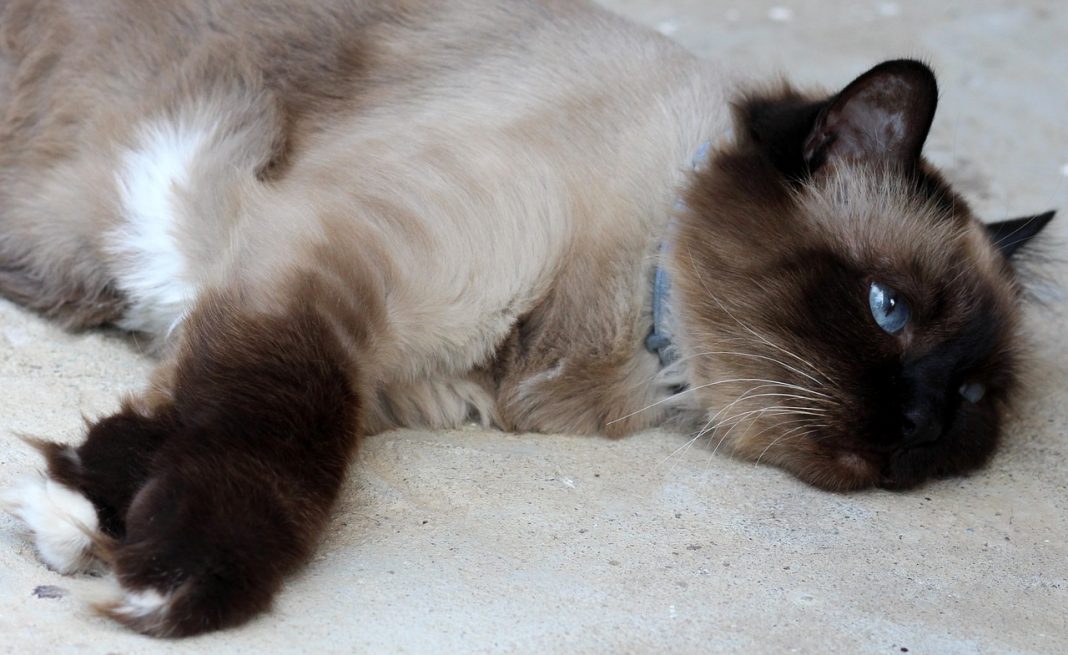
column 486, row 542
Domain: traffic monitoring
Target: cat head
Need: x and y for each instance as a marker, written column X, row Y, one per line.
column 844, row 313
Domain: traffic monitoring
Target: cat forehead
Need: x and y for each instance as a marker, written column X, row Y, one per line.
column 876, row 217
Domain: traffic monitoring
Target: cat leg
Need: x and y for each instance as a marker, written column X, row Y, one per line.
column 578, row 364
column 255, row 441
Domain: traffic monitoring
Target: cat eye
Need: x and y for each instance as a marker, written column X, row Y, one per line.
column 973, row 392
column 890, row 311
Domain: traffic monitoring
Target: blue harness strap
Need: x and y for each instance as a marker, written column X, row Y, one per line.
column 659, row 342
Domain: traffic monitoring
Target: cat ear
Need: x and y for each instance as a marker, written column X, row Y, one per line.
column 1009, row 235
column 883, row 115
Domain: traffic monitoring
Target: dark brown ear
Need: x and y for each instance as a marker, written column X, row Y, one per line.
column 1008, row 236
column 883, row 115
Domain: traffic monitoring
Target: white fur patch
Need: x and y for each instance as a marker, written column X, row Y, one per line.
column 141, row 604
column 60, row 519
column 152, row 269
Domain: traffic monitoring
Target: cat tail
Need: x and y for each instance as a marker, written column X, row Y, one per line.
column 262, row 422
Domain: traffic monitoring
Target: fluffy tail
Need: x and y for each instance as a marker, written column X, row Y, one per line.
column 203, row 503
column 205, row 549
column 263, row 424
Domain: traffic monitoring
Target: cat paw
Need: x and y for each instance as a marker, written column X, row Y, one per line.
column 62, row 522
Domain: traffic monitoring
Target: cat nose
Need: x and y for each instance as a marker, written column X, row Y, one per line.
column 921, row 416
column 920, row 425
column 923, row 403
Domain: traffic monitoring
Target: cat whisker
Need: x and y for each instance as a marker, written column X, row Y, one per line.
column 799, row 410
column 748, row 329
column 727, row 408
column 803, row 413
column 812, row 429
column 674, row 396
column 788, row 367
column 821, row 410
column 777, row 424
column 825, row 402
column 709, row 353
column 703, row 431
column 744, row 396
column 785, row 436
column 736, row 419
column 750, row 340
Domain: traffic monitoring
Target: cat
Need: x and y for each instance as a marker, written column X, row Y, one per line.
column 339, row 217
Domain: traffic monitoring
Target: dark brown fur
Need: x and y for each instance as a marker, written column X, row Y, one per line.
column 791, row 297
column 221, row 491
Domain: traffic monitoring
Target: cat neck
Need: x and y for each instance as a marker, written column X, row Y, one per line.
column 661, row 340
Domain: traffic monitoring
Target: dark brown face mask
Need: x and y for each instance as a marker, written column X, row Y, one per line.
column 878, row 338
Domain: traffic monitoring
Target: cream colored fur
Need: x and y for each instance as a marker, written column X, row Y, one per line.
column 548, row 200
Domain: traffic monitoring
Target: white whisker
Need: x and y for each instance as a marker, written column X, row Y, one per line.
column 746, row 327
column 712, row 384
column 812, row 428
column 737, row 418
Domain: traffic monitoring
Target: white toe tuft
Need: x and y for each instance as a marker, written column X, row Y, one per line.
column 60, row 518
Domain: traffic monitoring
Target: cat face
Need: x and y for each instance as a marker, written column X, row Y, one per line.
column 846, row 315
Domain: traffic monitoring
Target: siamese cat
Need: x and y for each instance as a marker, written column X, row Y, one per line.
column 337, row 217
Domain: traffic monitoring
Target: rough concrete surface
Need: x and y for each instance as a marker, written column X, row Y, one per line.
column 476, row 541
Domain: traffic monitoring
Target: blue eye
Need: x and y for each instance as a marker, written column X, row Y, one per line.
column 973, row 392
column 890, row 311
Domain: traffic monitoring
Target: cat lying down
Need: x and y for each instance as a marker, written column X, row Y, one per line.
column 339, row 217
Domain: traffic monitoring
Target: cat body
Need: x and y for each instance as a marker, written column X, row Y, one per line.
column 345, row 216
column 523, row 204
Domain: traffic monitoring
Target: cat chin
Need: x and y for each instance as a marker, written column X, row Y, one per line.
column 841, row 471
column 856, row 466
column 825, row 468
